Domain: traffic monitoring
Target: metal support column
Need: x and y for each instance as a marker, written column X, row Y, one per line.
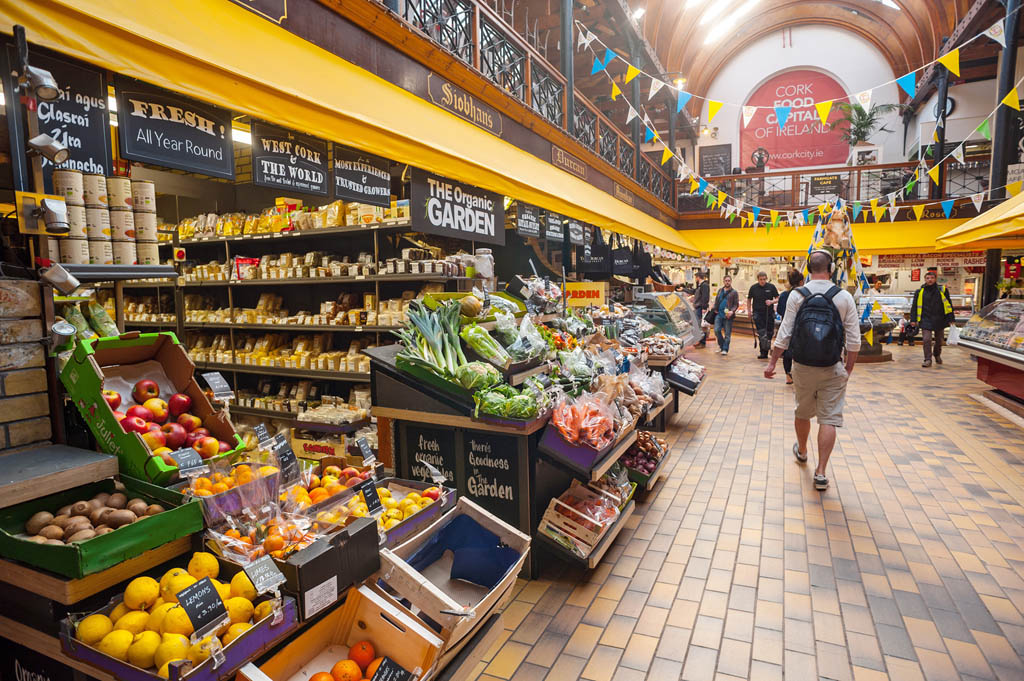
column 937, row 190
column 568, row 67
column 636, row 58
column 1002, row 141
column 993, row 275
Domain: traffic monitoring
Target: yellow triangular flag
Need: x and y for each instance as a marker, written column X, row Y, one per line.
column 874, row 205
column 821, row 209
column 878, row 212
column 721, row 197
column 615, row 91
column 1012, row 99
column 1013, row 188
column 666, row 155
column 933, row 172
column 918, row 210
column 631, row 73
column 886, row 319
column 869, row 336
column 824, row 109
column 693, row 184
column 774, row 215
column 935, row 134
column 713, row 108
column 951, row 60
column 876, row 307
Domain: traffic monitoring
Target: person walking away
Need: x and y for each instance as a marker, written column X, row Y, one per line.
column 761, row 301
column 932, row 312
column 727, row 301
column 820, row 322
column 796, row 280
column 701, row 299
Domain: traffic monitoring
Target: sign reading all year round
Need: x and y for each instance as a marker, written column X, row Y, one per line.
column 453, row 209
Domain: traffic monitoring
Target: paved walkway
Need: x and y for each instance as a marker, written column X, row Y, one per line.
column 910, row 567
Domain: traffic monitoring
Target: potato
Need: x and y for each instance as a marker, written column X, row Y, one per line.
column 37, row 539
column 153, row 509
column 80, row 508
column 81, row 536
column 97, row 516
column 38, row 522
column 103, row 529
column 102, row 496
column 117, row 500
column 61, row 521
column 138, row 507
column 52, row 532
column 55, row 542
column 76, row 526
column 119, row 518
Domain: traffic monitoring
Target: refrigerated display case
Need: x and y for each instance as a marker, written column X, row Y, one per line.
column 896, row 304
column 995, row 336
column 671, row 313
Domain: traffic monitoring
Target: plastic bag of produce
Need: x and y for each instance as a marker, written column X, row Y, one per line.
column 505, row 328
column 529, row 344
column 597, row 423
column 477, row 376
column 477, row 338
column 522, row 406
column 99, row 320
column 73, row 315
column 615, row 482
column 540, row 393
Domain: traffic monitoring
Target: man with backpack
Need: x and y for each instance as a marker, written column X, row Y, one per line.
column 820, row 322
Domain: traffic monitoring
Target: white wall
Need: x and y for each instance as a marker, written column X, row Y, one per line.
column 974, row 101
column 853, row 62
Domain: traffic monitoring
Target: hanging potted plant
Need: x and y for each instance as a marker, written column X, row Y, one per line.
column 857, row 125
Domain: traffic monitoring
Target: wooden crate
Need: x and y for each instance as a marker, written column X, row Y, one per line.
column 24, row 400
column 567, row 519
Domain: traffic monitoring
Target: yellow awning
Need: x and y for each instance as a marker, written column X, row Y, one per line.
column 992, row 229
column 220, row 52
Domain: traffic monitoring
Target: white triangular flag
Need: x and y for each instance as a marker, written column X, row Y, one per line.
column 631, row 115
column 789, row 217
column 864, row 99
column 655, row 86
column 586, row 37
column 958, row 154
column 977, row 199
column 893, row 211
column 997, row 32
column 891, row 197
column 748, row 113
column 739, row 206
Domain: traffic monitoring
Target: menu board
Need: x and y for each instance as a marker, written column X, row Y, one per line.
column 282, row 159
column 553, row 227
column 577, row 232
column 436, row 446
column 203, row 605
column 492, row 473
column 167, row 129
column 361, row 177
column 527, row 220
column 715, row 160
column 453, row 209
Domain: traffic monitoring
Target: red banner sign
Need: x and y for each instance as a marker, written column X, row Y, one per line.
column 805, row 140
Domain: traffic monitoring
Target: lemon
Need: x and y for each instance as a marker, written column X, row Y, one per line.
column 170, row 574
column 134, row 621
column 203, row 564
column 118, row 612
column 143, row 648
column 93, row 628
column 141, row 593
column 234, row 631
column 223, row 589
column 116, row 644
column 383, row 492
column 405, row 503
column 172, row 647
column 425, row 501
column 391, row 522
column 241, row 586
column 176, row 621
column 239, row 609
column 159, row 601
column 262, row 610
column 200, row 651
column 156, row 616
column 165, row 668
column 395, row 513
column 389, row 503
column 413, row 497
column 175, row 585
column 412, row 510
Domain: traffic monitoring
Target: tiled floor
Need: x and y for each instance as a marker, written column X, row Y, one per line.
column 910, row 567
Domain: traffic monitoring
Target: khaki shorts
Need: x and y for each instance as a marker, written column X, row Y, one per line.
column 820, row 392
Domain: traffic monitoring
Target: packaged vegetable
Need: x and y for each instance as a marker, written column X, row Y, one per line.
column 484, row 345
column 529, row 344
column 489, row 402
column 477, row 376
column 99, row 320
column 505, row 328
column 71, row 313
column 522, row 406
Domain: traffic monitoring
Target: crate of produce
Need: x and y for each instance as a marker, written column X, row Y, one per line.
column 367, row 632
column 582, row 513
column 645, row 458
column 456, row 572
column 223, row 495
column 110, row 547
column 105, row 375
column 504, row 300
column 396, row 522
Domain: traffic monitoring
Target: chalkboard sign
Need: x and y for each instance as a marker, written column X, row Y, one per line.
column 389, row 670
column 436, row 446
column 167, row 129
column 187, row 459
column 282, row 159
column 364, row 448
column 527, row 220
column 262, row 434
column 78, row 118
column 492, row 473
column 370, row 496
column 361, row 177
column 716, row 160
column 203, row 605
column 825, row 184
column 453, row 209
column 576, row 232
column 218, row 385
column 553, row 227
column 264, row 574
column 286, row 459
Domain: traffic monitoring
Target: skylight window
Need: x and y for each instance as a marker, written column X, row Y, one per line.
column 889, row 3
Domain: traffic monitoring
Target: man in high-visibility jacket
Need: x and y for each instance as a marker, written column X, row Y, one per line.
column 932, row 311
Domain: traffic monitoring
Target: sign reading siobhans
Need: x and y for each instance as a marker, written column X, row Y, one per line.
column 462, row 104
column 167, row 129
column 449, row 208
column 361, row 177
column 282, row 159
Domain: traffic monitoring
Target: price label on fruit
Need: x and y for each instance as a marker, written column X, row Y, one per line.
column 262, row 434
column 286, row 459
column 389, row 670
column 264, row 574
column 187, row 459
column 364, row 448
column 204, row 607
column 222, row 392
column 369, row 490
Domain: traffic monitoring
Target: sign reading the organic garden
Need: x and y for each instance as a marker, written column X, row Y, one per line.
column 527, row 220
column 361, row 177
column 453, row 209
column 492, row 473
column 167, row 129
column 282, row 159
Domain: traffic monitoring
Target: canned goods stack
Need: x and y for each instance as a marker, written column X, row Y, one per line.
column 73, row 248
column 143, row 200
column 122, row 220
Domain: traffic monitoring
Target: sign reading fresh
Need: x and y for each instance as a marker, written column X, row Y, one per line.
column 282, row 159
column 361, row 177
column 167, row 129
column 449, row 208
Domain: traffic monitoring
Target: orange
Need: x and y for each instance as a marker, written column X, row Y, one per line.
column 243, row 468
column 273, row 542
column 267, row 470
column 333, row 488
column 321, row 676
column 372, row 668
column 219, row 487
column 233, row 533
column 362, row 654
column 202, row 492
column 346, row 670
column 201, row 483
column 318, row 495
column 217, row 477
column 229, row 481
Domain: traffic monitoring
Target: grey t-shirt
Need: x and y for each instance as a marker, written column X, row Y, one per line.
column 843, row 302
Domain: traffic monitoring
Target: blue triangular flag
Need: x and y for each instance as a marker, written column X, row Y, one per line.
column 908, row 83
column 648, row 135
column 597, row 66
column 608, row 56
column 782, row 115
column 756, row 211
column 807, row 216
column 947, row 206
column 702, row 184
column 856, row 211
column 867, row 313
column 683, row 98
column 839, row 204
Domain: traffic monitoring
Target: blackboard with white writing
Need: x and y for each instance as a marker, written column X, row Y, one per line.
column 264, row 574
column 389, row 670
column 202, row 604
column 527, row 220
column 361, row 177
column 436, row 446
column 282, row 159
column 492, row 473
column 553, row 227
column 453, row 209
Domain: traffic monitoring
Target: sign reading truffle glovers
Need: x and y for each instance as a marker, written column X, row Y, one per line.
column 449, row 208
column 78, row 118
column 167, row 129
column 527, row 220
column 492, row 474
column 283, row 159
column 361, row 177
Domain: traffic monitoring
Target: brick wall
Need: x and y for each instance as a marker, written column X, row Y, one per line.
column 24, row 403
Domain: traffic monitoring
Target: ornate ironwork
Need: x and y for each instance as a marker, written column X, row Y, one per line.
column 546, row 94
column 964, row 179
column 585, row 126
column 501, row 61
column 626, row 154
column 607, row 144
column 645, row 173
column 449, row 23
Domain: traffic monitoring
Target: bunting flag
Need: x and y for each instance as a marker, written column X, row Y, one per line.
column 693, row 185
column 631, row 115
column 869, row 336
column 876, row 306
column 586, row 37
column 892, row 196
column 856, row 210
column 824, row 108
column 598, row 66
column 756, row 211
column 928, row 151
column 893, row 212
column 721, row 197
column 918, row 210
column 608, row 56
column 806, row 215
column 782, row 115
column 615, row 91
column 1013, row 188
column 874, row 205
column 886, row 319
column 648, row 134
column 951, row 60
column 933, row 172
column 774, row 215
column 958, row 154
column 997, row 32
column 985, row 130
column 864, row 99
column 908, row 83
column 877, row 213
column 947, row 207
column 682, row 99
column 702, row 185
column 666, row 155
column 1012, row 100
column 867, row 313
column 977, row 199
column 713, row 108
column 739, row 206
column 631, row 72
column 709, row 199
column 656, row 85
column 748, row 113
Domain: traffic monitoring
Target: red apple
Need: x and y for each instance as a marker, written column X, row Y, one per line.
column 152, row 425
column 113, row 398
column 223, row 447
column 201, row 432
column 179, row 403
column 119, row 416
column 349, row 472
column 206, row 446
column 133, row 424
column 175, row 434
column 158, row 407
column 353, row 481
column 154, row 439
column 189, row 422
column 144, row 390
column 190, row 439
column 431, row 493
column 139, row 411
column 333, row 470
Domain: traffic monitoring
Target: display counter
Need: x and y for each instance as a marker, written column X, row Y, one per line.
column 995, row 336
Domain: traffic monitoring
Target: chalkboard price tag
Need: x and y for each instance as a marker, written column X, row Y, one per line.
column 389, row 670
column 203, row 605
column 264, row 574
column 262, row 434
column 187, row 459
column 222, row 392
column 364, row 448
column 370, row 495
column 286, row 459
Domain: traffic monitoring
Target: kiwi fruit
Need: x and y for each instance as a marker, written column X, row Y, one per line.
column 37, row 539
column 97, row 516
column 153, row 509
column 38, row 522
column 65, row 510
column 81, row 508
column 76, row 526
column 52, row 532
column 94, row 504
column 55, row 542
column 119, row 518
column 138, row 507
column 61, row 521
column 102, row 497
column 81, row 536
column 119, row 486
column 117, row 500
column 103, row 529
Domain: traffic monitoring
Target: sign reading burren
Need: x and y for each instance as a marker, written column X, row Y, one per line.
column 463, row 104
column 449, row 208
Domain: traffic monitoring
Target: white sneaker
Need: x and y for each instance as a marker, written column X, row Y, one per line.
column 725, row 352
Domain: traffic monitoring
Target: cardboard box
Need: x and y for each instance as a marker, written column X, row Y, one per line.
column 315, row 450
column 364, row 616
column 122, row 360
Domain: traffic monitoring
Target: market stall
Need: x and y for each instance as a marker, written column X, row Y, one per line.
column 995, row 336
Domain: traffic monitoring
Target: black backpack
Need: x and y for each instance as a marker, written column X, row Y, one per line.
column 818, row 333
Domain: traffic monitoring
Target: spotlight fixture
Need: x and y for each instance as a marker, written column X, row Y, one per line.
column 680, row 82
column 53, row 150
column 39, row 82
column 59, row 278
column 704, row 131
column 61, row 334
column 638, row 12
